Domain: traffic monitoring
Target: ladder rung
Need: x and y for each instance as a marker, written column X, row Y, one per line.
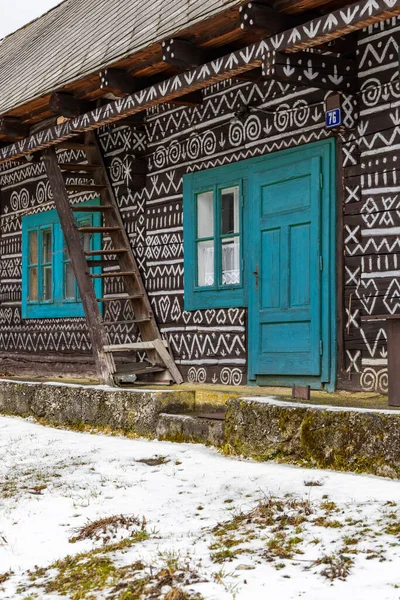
column 130, row 322
column 76, row 167
column 70, row 187
column 133, row 346
column 98, row 230
column 103, row 263
column 137, row 369
column 88, row 208
column 106, row 252
column 113, row 274
column 120, row 298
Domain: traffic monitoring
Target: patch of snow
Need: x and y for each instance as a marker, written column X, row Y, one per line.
column 81, row 477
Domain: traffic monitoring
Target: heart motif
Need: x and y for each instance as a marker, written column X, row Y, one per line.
column 210, row 314
column 186, row 316
column 233, row 314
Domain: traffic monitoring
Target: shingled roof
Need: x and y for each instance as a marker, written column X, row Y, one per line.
column 78, row 37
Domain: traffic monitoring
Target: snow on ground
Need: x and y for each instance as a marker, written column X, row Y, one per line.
column 215, row 527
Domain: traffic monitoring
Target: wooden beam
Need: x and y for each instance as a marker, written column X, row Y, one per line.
column 192, row 99
column 104, row 361
column 259, row 17
column 314, row 33
column 183, row 54
column 311, row 69
column 13, row 129
column 118, row 82
column 67, row 105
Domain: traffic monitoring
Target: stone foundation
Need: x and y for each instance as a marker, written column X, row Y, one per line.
column 345, row 439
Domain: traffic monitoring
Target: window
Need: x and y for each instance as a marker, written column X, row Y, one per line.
column 49, row 288
column 213, row 238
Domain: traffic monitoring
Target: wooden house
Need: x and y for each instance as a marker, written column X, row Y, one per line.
column 202, row 191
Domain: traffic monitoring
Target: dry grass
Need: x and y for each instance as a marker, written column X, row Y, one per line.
column 106, row 529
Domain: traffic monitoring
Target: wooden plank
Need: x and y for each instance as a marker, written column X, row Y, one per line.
column 393, row 345
column 165, row 356
column 132, row 346
column 104, row 362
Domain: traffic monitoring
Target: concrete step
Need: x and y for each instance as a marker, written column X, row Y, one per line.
column 194, row 429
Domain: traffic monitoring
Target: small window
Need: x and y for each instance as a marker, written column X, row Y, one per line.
column 213, row 235
column 49, row 287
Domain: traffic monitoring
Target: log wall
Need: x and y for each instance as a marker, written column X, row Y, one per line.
column 210, row 346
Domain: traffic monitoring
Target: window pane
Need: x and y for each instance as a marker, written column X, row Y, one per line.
column 47, row 274
column 231, row 261
column 33, row 248
column 230, row 211
column 205, row 215
column 46, row 246
column 205, row 263
column 33, row 285
column 69, row 282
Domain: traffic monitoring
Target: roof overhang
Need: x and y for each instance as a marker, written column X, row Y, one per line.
column 308, row 35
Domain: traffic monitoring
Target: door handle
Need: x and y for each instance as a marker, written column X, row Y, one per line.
column 255, row 273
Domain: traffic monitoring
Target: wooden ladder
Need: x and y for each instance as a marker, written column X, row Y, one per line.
column 120, row 255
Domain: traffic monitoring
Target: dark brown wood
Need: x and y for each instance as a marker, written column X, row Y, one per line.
column 311, row 70
column 259, row 17
column 13, row 129
column 104, row 361
column 68, row 105
column 183, row 54
column 393, row 349
column 301, row 392
column 192, row 99
column 118, row 82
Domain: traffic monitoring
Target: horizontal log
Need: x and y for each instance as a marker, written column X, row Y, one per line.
column 118, row 82
column 311, row 69
column 259, row 17
column 314, row 33
column 67, row 105
column 183, row 54
column 13, row 129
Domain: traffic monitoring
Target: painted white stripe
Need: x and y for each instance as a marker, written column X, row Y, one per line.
column 208, row 329
column 165, row 262
column 211, row 361
column 165, row 293
column 381, row 190
column 378, row 69
column 384, row 231
column 374, row 362
column 380, row 274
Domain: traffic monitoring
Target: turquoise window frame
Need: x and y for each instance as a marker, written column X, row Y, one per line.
column 216, row 295
column 58, row 306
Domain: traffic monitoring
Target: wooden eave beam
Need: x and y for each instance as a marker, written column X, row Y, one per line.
column 67, row 105
column 311, row 34
column 256, row 17
column 12, row 129
column 183, row 54
column 118, row 82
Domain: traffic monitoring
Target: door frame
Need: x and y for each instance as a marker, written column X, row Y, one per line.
column 326, row 151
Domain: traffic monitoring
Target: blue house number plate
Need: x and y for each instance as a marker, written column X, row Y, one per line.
column 333, row 118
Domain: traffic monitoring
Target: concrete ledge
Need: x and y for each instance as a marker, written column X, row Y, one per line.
column 347, row 439
column 182, row 428
column 130, row 410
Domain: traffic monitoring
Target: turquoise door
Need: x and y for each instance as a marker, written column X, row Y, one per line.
column 288, row 334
